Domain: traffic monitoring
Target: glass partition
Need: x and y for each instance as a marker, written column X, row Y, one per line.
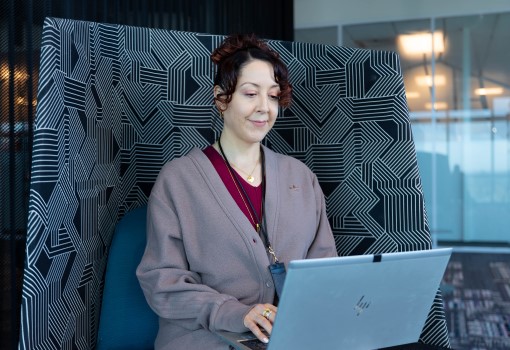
column 457, row 79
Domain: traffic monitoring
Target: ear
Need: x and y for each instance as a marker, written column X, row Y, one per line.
column 217, row 90
column 219, row 104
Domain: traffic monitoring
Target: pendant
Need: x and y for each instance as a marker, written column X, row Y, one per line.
column 250, row 179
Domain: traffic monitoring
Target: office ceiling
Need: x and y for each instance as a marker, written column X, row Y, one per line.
column 486, row 57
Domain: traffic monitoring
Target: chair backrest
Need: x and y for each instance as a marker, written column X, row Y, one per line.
column 116, row 102
column 126, row 321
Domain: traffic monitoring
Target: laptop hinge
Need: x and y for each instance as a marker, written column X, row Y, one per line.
column 377, row 258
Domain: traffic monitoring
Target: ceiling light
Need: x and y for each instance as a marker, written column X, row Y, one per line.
column 412, row 94
column 437, row 105
column 421, row 43
column 489, row 91
column 426, row 80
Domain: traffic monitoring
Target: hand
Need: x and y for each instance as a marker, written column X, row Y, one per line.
column 261, row 317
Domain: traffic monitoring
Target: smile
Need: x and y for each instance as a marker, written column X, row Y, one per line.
column 259, row 122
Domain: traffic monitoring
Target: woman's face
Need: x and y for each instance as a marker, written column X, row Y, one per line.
column 254, row 106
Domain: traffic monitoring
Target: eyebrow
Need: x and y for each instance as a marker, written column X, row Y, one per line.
column 257, row 85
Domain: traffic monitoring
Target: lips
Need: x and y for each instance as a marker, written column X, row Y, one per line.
column 259, row 122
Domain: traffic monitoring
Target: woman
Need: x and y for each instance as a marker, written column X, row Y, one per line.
column 218, row 217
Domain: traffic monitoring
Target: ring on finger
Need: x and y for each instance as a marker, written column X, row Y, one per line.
column 267, row 313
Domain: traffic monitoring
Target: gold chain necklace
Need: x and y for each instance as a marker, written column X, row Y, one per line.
column 250, row 177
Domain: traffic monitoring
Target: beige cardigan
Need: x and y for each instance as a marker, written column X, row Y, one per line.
column 204, row 265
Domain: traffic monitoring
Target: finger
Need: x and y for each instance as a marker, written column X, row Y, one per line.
column 267, row 319
column 263, row 337
column 265, row 324
column 258, row 323
column 255, row 323
column 269, row 312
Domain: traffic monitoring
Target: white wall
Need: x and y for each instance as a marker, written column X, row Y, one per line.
column 321, row 13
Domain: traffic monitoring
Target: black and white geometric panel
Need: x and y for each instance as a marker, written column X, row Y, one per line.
column 117, row 102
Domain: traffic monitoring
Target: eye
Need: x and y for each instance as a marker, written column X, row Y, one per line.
column 250, row 94
column 274, row 97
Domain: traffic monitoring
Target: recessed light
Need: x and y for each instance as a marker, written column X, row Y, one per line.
column 489, row 91
column 437, row 105
column 426, row 80
column 412, row 94
column 421, row 43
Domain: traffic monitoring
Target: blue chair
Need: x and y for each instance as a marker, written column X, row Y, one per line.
column 126, row 320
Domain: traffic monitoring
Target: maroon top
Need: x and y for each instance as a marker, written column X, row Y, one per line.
column 255, row 193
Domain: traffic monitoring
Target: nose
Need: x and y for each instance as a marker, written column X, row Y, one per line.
column 264, row 104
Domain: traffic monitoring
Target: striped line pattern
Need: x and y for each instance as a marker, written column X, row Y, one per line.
column 117, row 102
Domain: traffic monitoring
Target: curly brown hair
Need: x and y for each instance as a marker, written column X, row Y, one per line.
column 234, row 53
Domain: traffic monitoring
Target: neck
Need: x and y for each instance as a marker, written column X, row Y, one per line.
column 245, row 157
column 242, row 155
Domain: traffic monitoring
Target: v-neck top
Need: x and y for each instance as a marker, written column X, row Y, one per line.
column 254, row 192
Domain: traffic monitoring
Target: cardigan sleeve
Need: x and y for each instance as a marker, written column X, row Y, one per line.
column 171, row 289
column 323, row 244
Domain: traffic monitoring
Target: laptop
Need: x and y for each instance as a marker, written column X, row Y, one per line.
column 354, row 302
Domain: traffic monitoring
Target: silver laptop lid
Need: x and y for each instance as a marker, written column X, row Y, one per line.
column 357, row 302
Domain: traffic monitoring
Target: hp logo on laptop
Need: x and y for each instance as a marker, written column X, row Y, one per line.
column 361, row 306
